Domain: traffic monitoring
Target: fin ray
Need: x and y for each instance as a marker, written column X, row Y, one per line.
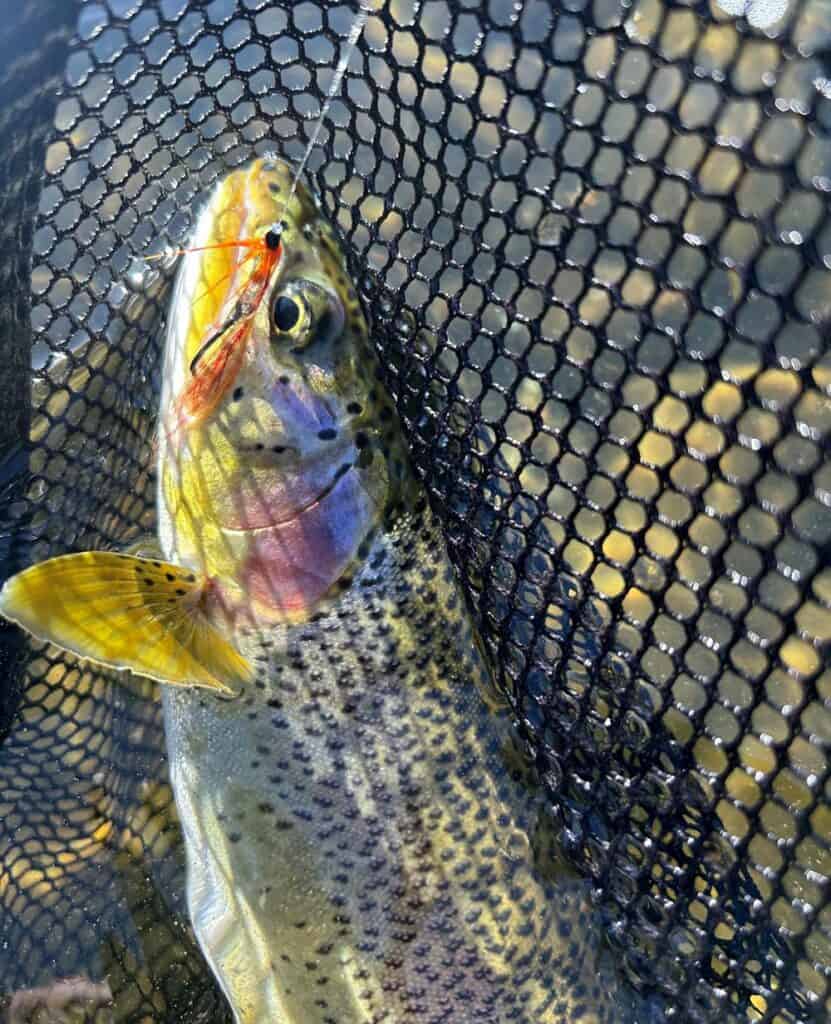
column 125, row 612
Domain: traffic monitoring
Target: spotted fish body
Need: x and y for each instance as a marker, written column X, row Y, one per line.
column 357, row 850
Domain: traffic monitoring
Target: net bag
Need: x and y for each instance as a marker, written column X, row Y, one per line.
column 593, row 240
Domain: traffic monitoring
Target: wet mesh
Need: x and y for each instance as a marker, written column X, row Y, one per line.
column 594, row 242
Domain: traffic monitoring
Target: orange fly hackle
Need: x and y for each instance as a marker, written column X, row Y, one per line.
column 212, row 377
column 241, row 243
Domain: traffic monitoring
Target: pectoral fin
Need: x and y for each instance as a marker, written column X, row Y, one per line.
column 127, row 613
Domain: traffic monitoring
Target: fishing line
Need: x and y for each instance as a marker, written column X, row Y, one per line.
column 365, row 8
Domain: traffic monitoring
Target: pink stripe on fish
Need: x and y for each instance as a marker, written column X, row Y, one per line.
column 291, row 567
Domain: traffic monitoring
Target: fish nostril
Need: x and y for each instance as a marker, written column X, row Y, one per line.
column 354, row 408
column 237, row 395
column 329, row 434
column 361, row 440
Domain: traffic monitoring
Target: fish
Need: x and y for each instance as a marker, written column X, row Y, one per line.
column 359, row 847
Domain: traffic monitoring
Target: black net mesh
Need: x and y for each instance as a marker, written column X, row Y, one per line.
column 594, row 242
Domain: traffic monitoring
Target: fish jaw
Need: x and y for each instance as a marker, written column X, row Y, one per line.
column 290, row 567
column 277, row 544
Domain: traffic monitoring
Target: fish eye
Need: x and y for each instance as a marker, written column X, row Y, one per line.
column 286, row 313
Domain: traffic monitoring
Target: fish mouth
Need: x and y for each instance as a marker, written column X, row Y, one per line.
column 296, row 514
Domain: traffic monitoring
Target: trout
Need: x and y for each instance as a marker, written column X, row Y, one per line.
column 358, row 848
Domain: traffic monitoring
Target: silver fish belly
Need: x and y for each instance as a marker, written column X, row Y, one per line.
column 357, row 850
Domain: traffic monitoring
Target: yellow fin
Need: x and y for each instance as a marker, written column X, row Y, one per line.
column 125, row 612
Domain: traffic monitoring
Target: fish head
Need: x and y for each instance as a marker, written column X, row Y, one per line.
column 280, row 469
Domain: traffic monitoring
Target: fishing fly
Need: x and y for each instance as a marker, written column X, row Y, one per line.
column 217, row 360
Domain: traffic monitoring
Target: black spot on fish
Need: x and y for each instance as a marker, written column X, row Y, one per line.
column 181, row 591
column 361, row 440
column 274, row 188
column 327, row 434
column 234, row 837
column 278, row 449
column 237, row 395
column 354, row 408
column 169, row 577
column 148, row 581
column 190, row 578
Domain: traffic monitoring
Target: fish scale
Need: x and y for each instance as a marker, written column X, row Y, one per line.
column 353, row 807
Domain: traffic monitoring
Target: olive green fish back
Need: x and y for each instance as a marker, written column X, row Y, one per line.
column 593, row 240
